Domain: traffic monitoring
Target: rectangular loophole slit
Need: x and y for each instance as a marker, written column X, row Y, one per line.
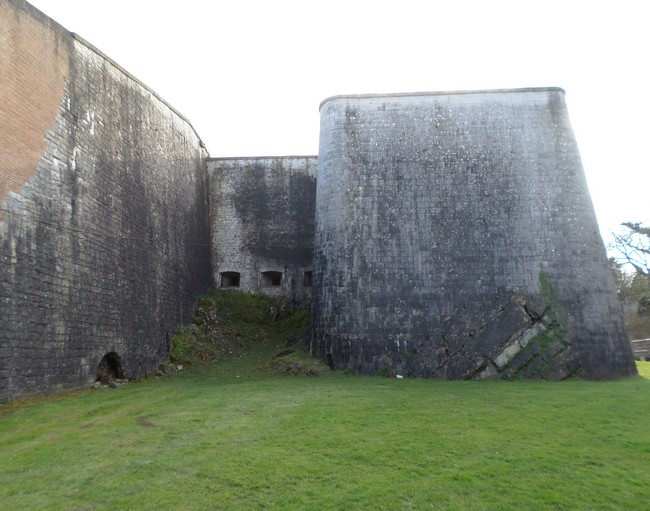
column 272, row 278
column 306, row 281
column 229, row 279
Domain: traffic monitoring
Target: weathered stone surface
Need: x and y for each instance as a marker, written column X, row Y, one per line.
column 453, row 233
column 262, row 212
column 447, row 225
column 104, row 241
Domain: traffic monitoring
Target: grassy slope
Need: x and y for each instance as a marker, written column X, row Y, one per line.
column 229, row 436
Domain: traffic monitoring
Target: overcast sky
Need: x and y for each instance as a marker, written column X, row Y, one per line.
column 250, row 75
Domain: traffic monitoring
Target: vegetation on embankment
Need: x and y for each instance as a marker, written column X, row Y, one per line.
column 247, row 330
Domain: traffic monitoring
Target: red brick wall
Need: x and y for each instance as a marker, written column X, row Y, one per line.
column 34, row 56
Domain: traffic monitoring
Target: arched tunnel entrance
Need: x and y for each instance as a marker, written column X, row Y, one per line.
column 110, row 368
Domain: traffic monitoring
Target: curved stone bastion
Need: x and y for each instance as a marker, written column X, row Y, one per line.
column 455, row 238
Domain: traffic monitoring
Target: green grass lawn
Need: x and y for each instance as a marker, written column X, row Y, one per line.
column 231, row 436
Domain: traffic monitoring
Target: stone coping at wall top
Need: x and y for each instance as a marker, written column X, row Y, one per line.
column 441, row 93
column 57, row 26
column 100, row 53
column 243, row 158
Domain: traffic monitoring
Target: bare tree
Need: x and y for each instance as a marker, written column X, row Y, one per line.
column 633, row 245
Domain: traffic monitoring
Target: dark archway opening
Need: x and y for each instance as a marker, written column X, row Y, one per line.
column 110, row 368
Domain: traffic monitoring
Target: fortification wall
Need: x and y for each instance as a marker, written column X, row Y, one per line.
column 262, row 217
column 104, row 236
column 455, row 238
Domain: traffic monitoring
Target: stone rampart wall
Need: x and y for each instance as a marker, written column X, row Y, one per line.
column 262, row 216
column 453, row 233
column 104, row 237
